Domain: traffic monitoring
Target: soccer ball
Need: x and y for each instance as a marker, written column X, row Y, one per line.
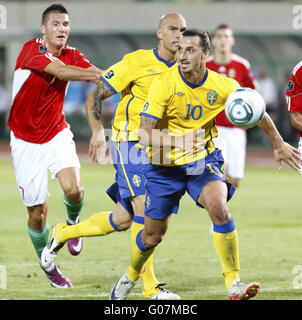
column 245, row 108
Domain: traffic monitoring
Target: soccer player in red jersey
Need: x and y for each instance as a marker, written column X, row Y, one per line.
column 294, row 101
column 231, row 140
column 40, row 136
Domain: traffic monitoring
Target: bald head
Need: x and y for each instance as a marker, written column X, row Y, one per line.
column 170, row 29
column 171, row 18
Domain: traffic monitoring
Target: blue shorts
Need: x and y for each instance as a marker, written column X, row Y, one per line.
column 166, row 185
column 129, row 164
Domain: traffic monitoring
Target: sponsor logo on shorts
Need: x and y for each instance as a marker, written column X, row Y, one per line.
column 22, row 192
column 148, row 201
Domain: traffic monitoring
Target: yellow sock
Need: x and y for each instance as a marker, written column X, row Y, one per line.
column 149, row 278
column 147, row 271
column 139, row 256
column 226, row 246
column 99, row 224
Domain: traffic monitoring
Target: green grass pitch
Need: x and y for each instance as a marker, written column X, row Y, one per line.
column 267, row 210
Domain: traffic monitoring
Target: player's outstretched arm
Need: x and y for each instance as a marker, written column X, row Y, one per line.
column 283, row 151
column 96, row 69
column 72, row 73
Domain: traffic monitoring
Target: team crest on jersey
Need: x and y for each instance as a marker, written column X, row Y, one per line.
column 212, row 97
column 136, row 180
column 42, row 49
column 109, row 74
column 290, row 86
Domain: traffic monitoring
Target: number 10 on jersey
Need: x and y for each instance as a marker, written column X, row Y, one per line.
column 194, row 112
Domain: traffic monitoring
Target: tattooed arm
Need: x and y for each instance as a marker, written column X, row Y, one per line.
column 146, row 128
column 93, row 107
column 101, row 92
column 148, row 134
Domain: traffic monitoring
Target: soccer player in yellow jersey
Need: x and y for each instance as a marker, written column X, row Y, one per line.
column 183, row 103
column 132, row 76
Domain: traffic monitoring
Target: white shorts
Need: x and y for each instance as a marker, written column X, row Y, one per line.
column 232, row 143
column 300, row 149
column 32, row 161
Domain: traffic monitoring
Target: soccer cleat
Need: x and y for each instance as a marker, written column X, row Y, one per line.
column 122, row 288
column 163, row 294
column 50, row 252
column 75, row 245
column 56, row 278
column 242, row 291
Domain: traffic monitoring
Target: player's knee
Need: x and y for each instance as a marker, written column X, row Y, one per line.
column 218, row 211
column 124, row 225
column 121, row 218
column 152, row 240
column 37, row 216
column 74, row 193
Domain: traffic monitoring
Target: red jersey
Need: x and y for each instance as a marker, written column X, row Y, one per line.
column 294, row 91
column 238, row 69
column 37, row 110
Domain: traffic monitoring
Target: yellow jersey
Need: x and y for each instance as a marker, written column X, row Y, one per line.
column 132, row 76
column 181, row 107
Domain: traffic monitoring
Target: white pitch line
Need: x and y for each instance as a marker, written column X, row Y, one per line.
column 98, row 295
column 21, row 265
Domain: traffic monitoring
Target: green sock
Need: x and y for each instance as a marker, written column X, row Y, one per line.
column 73, row 209
column 39, row 238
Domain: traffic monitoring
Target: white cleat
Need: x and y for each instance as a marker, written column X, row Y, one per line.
column 242, row 291
column 122, row 288
column 50, row 252
column 164, row 294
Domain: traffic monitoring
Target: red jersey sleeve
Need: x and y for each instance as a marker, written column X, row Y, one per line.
column 81, row 60
column 249, row 80
column 34, row 56
column 294, row 90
